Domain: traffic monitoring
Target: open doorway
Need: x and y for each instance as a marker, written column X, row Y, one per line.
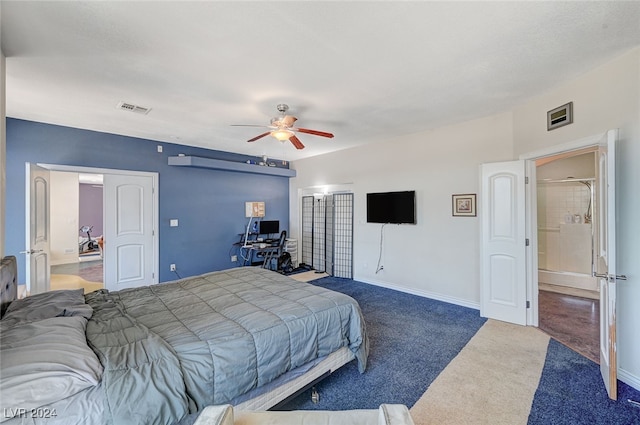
column 568, row 293
column 509, row 268
column 131, row 245
column 76, row 214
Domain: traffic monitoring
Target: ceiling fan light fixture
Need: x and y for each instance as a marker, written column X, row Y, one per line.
column 282, row 129
column 282, row 134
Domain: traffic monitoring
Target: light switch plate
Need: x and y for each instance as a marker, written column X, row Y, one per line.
column 173, row 222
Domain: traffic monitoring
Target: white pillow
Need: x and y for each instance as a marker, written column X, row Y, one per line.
column 45, row 361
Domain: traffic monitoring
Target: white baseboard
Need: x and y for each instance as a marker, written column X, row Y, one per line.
column 425, row 294
column 629, row 379
column 62, row 261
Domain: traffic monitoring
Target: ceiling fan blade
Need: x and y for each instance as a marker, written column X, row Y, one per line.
column 314, row 132
column 259, row 137
column 296, row 142
column 288, row 120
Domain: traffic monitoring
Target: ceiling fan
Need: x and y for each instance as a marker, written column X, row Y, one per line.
column 282, row 128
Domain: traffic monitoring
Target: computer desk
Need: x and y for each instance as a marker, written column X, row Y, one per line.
column 259, row 248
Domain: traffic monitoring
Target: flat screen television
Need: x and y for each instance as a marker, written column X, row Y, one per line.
column 268, row 227
column 392, row 207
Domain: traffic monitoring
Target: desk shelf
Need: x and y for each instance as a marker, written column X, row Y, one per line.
column 219, row 164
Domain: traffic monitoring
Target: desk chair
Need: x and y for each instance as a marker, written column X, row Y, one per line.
column 275, row 253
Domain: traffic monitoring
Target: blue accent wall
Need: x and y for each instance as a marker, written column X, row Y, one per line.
column 209, row 204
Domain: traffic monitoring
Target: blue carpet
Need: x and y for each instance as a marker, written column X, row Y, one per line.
column 571, row 392
column 412, row 339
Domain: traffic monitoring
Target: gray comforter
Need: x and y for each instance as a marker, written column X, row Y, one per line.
column 174, row 348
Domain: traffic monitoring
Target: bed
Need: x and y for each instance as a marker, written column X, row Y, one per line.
column 245, row 336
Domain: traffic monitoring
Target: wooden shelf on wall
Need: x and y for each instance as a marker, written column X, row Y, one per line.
column 219, row 164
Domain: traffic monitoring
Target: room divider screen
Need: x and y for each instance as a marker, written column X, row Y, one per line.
column 327, row 233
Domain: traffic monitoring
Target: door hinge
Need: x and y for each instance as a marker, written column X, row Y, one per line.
column 528, row 304
column 526, row 242
column 526, row 180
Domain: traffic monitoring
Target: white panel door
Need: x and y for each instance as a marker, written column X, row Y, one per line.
column 502, row 211
column 606, row 260
column 38, row 231
column 129, row 231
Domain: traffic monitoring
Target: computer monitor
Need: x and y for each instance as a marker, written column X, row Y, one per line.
column 269, row 227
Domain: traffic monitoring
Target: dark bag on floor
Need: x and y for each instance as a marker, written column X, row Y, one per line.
column 284, row 263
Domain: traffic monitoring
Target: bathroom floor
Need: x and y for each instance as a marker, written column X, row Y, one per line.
column 573, row 321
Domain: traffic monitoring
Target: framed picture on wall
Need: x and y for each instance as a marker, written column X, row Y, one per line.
column 464, row 205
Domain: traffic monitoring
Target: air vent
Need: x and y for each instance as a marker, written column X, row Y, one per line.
column 133, row 108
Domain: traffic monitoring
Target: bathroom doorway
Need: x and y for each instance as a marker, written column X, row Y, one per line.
column 568, row 294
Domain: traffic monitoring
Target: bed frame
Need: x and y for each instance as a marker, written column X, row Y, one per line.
column 287, row 388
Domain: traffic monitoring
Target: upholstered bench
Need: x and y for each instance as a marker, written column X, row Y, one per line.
column 386, row 414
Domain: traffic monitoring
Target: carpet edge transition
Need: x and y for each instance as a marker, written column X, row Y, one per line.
column 492, row 380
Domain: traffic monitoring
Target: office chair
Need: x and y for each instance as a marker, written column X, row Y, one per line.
column 275, row 253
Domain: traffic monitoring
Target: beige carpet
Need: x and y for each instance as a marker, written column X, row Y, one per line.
column 307, row 276
column 66, row 281
column 491, row 381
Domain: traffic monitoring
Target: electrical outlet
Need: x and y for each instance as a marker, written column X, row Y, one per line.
column 234, row 258
column 172, row 267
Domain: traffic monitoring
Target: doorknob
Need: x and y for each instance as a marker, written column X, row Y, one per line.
column 610, row 277
column 31, row 251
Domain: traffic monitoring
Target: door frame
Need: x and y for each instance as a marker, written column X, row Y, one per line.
column 531, row 214
column 155, row 200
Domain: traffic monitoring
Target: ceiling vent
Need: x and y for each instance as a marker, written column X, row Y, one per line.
column 133, row 108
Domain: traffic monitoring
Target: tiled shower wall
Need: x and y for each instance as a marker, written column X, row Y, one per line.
column 564, row 240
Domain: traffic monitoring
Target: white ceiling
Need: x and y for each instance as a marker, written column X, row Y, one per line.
column 365, row 71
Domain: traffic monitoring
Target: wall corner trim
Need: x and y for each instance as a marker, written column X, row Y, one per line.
column 219, row 164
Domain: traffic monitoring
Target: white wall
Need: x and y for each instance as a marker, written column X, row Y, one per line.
column 64, row 206
column 438, row 257
column 579, row 167
column 605, row 98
